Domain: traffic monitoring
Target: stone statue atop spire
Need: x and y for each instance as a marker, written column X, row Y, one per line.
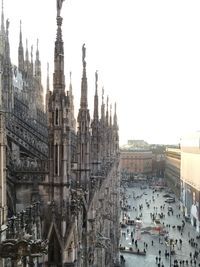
column 83, row 55
column 102, row 95
column 7, row 25
column 96, row 78
column 59, row 6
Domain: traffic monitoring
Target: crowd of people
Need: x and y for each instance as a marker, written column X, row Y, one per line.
column 170, row 219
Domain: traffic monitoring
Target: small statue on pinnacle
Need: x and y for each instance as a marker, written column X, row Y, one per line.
column 59, row 6
column 83, row 54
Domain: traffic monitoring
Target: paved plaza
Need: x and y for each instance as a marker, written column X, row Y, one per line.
column 153, row 242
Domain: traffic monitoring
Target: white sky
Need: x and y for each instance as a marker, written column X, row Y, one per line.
column 147, row 53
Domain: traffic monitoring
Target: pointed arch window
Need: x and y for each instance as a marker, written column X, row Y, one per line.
column 57, row 117
column 56, row 160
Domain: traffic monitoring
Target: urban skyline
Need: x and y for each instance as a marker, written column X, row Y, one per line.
column 147, row 56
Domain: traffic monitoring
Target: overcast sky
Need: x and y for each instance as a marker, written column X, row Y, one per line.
column 147, row 53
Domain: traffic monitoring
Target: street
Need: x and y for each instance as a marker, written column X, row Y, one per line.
column 143, row 204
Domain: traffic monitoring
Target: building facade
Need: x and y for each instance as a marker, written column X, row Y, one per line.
column 173, row 169
column 136, row 162
column 190, row 182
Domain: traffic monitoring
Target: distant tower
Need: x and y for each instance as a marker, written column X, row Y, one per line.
column 95, row 139
column 20, row 51
column 83, row 133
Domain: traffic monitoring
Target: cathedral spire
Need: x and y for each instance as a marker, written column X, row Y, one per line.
column 84, row 103
column 27, row 57
column 71, row 100
column 31, row 54
column 115, row 116
column 70, row 82
column 20, row 50
column 96, row 102
column 107, row 116
column 102, row 106
column 20, row 33
column 58, row 76
column 31, row 65
column 38, row 64
column 37, row 51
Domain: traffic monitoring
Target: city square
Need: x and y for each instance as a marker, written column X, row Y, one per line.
column 152, row 241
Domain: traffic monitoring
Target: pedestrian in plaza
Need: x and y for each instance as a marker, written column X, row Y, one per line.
column 152, row 242
column 131, row 234
column 156, row 259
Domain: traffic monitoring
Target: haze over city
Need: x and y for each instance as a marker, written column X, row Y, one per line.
column 147, row 54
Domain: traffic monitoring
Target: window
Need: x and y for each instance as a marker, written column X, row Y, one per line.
column 57, row 117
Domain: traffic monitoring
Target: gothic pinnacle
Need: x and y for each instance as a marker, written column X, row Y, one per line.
column 20, row 33
column 27, row 57
column 96, row 81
